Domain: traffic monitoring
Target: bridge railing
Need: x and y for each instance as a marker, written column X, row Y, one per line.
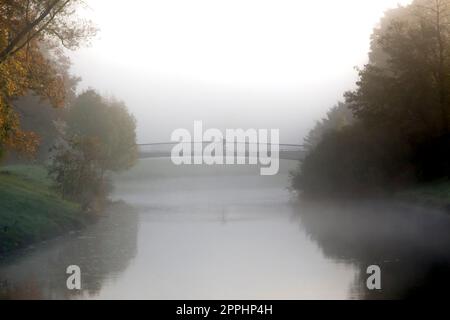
column 239, row 149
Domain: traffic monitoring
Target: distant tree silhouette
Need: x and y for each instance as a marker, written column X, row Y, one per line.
column 401, row 109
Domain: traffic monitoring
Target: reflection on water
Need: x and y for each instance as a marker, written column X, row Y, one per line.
column 102, row 251
column 411, row 245
column 226, row 232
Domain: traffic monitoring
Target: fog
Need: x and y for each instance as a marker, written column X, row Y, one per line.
column 225, row 232
column 245, row 218
column 250, row 64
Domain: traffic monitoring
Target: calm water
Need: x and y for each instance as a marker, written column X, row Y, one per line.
column 226, row 232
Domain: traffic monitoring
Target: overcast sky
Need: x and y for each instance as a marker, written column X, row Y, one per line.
column 231, row 63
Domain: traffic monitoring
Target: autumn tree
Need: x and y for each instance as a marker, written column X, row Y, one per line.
column 33, row 34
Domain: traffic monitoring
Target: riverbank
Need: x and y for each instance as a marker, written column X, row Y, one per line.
column 31, row 211
column 435, row 195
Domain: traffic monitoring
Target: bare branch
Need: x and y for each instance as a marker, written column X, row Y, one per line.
column 14, row 45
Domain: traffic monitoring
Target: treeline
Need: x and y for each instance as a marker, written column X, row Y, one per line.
column 398, row 131
column 83, row 138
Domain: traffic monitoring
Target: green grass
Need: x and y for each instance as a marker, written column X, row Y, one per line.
column 34, row 173
column 30, row 211
column 435, row 194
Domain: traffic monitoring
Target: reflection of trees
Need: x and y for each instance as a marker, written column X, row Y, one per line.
column 412, row 247
column 102, row 251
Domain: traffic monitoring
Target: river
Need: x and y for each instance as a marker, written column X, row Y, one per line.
column 225, row 232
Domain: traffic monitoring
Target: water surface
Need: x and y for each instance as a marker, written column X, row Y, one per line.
column 225, row 232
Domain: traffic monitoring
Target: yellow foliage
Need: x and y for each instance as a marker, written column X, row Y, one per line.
column 30, row 61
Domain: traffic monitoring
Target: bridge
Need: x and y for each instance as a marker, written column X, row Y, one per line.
column 240, row 149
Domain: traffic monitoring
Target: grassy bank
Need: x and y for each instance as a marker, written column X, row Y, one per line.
column 434, row 194
column 30, row 211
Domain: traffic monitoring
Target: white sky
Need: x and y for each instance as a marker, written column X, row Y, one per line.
column 231, row 63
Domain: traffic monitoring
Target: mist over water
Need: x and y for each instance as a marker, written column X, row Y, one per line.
column 353, row 96
column 212, row 232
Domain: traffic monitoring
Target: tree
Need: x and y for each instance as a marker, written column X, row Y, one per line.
column 405, row 84
column 435, row 16
column 401, row 107
column 110, row 123
column 99, row 138
column 74, row 169
column 354, row 161
column 32, row 35
column 337, row 118
column 406, row 89
column 24, row 21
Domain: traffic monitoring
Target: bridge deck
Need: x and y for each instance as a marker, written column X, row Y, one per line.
column 164, row 149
